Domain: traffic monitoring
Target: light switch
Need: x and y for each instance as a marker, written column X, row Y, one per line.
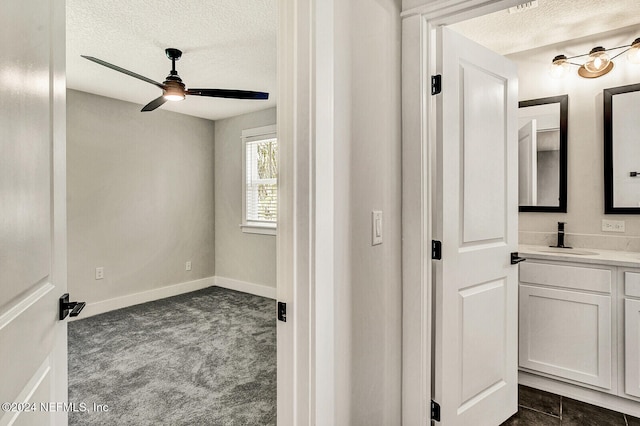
column 376, row 227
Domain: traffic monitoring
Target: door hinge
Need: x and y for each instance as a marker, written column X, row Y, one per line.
column 282, row 311
column 435, row 411
column 436, row 84
column 436, row 249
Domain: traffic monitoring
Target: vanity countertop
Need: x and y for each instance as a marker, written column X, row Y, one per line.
column 582, row 255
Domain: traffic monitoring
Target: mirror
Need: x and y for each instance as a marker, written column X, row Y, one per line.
column 622, row 150
column 542, row 154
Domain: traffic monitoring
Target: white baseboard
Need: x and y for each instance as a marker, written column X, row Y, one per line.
column 145, row 296
column 173, row 290
column 246, row 287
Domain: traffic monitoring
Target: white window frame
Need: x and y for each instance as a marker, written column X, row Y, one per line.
column 250, row 135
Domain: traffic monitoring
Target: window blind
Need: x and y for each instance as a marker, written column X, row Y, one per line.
column 261, row 180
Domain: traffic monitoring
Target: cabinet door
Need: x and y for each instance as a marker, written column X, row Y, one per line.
column 632, row 347
column 566, row 334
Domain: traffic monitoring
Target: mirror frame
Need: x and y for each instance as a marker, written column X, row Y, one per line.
column 563, row 100
column 609, row 208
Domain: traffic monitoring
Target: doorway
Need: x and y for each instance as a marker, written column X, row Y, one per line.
column 160, row 184
column 419, row 65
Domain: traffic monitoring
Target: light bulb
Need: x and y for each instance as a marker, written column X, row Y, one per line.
column 173, row 94
column 174, row 97
column 633, row 55
column 598, row 60
column 559, row 67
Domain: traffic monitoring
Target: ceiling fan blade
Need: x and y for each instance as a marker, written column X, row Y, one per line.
column 124, row 71
column 157, row 102
column 227, row 93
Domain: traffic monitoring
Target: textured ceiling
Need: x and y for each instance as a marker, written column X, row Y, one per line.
column 226, row 44
column 231, row 44
column 553, row 21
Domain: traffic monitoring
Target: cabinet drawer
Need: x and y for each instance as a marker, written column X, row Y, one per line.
column 632, row 284
column 566, row 334
column 571, row 277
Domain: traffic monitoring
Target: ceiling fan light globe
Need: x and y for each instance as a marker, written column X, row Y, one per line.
column 173, row 97
column 173, row 89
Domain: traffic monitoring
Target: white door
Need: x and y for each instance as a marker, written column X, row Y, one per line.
column 33, row 363
column 476, row 218
column 528, row 164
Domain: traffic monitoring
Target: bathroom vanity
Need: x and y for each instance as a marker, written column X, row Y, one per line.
column 580, row 325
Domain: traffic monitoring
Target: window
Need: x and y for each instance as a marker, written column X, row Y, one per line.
column 260, row 180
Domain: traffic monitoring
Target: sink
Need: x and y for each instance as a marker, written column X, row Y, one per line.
column 576, row 252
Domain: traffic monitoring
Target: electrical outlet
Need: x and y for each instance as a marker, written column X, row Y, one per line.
column 612, row 225
column 187, row 266
column 99, row 272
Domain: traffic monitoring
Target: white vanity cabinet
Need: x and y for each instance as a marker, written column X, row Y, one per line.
column 579, row 325
column 632, row 333
column 567, row 328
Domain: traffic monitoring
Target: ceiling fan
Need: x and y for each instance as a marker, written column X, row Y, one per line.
column 173, row 89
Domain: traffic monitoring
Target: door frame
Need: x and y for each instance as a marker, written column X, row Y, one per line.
column 295, row 240
column 418, row 191
column 58, row 132
column 308, row 231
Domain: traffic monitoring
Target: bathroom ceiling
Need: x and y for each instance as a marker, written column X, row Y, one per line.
column 553, row 21
column 226, row 44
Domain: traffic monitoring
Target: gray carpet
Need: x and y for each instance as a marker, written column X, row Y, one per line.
column 202, row 358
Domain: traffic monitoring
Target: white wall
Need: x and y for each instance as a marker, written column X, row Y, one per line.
column 367, row 176
column 585, row 208
column 140, row 197
column 240, row 256
column 376, row 292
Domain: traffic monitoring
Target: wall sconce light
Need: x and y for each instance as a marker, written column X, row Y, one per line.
column 597, row 63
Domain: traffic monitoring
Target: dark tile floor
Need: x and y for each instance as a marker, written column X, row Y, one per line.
column 540, row 408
